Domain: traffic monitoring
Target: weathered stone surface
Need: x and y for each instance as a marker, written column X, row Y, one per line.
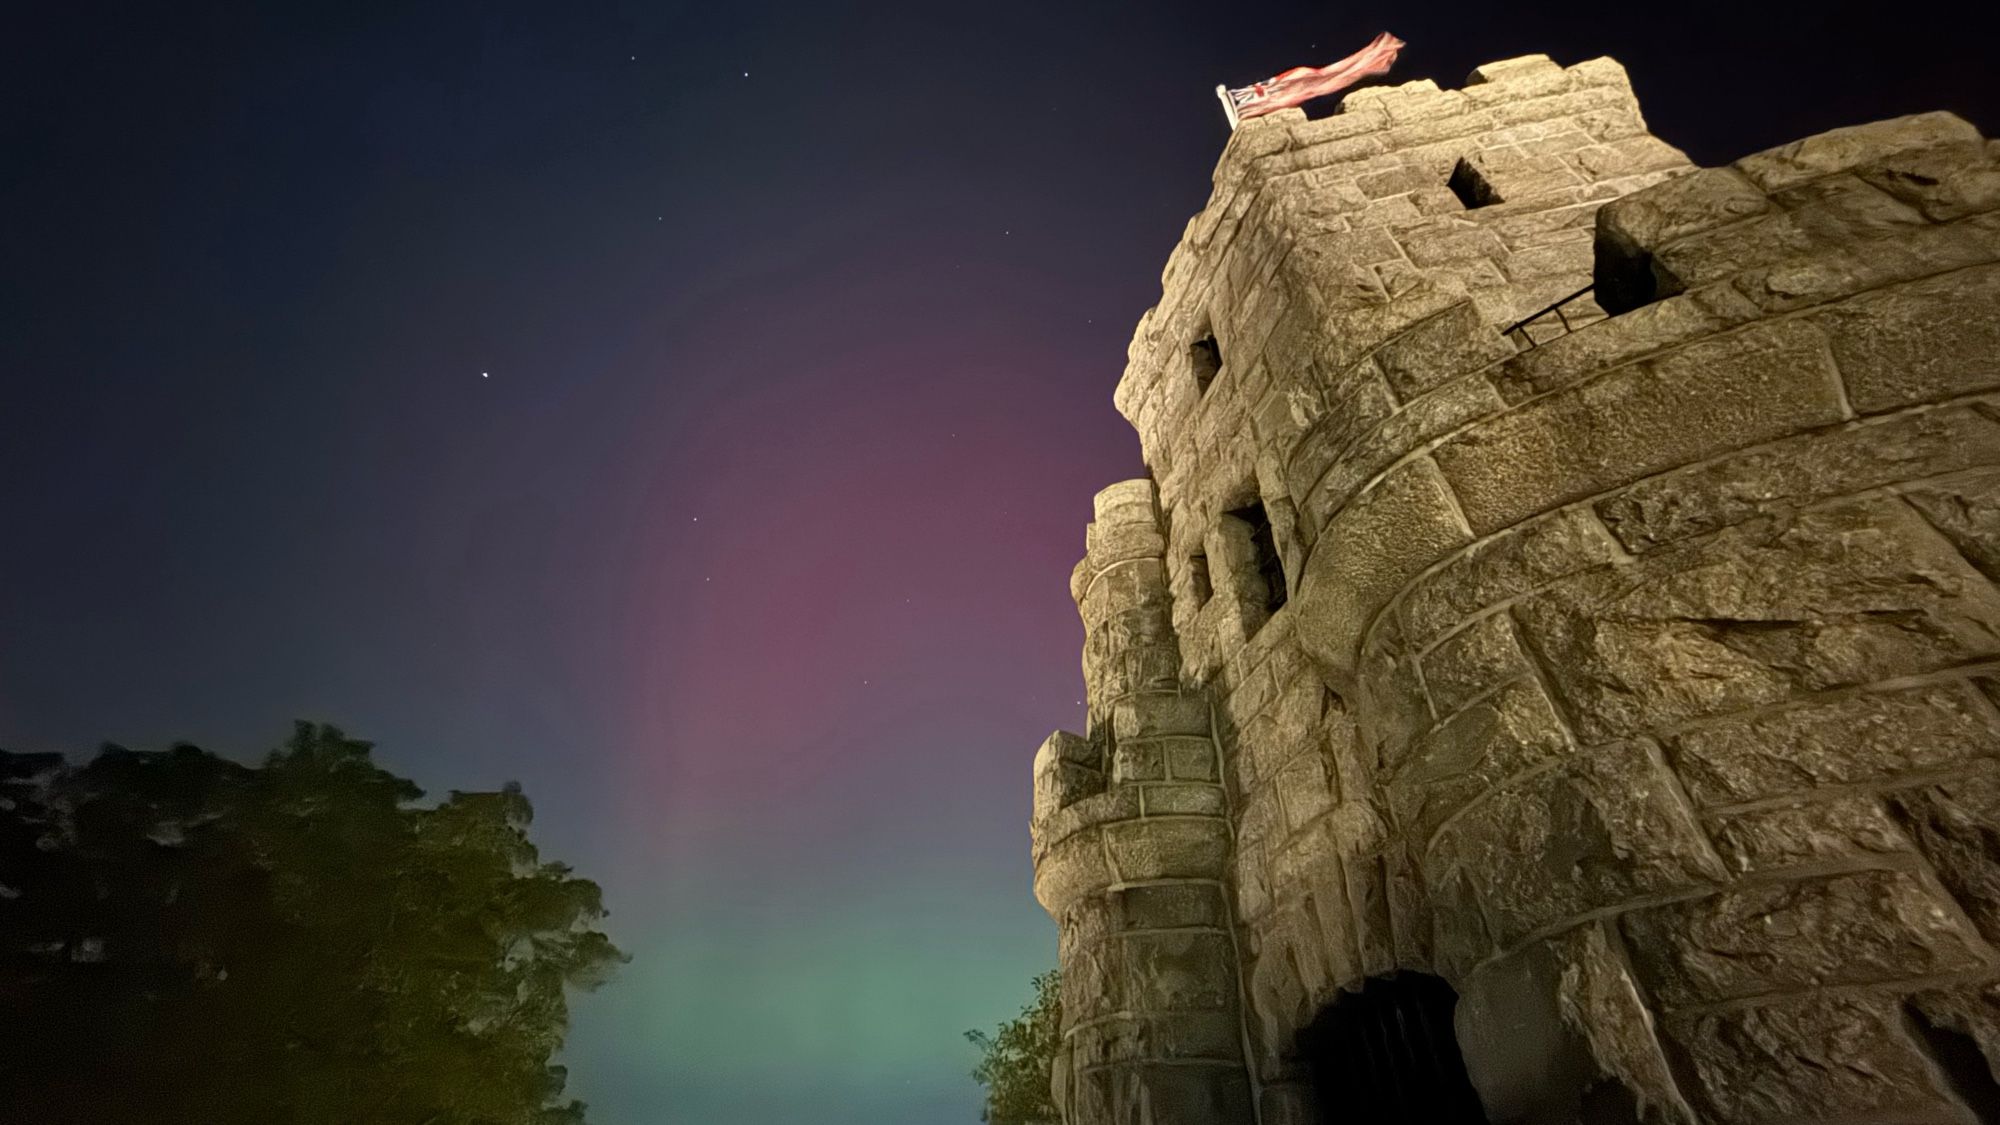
column 1198, row 1035
column 1442, row 410
column 1191, row 759
column 1504, row 567
column 1839, row 150
column 1472, row 662
column 1512, row 175
column 1920, row 342
column 1155, row 714
column 1461, row 936
column 1528, row 1063
column 1369, row 404
column 1757, row 614
column 1560, row 843
column 1137, row 761
column 1844, row 830
column 1662, row 649
column 1844, row 268
column 1186, row 848
column 1831, row 1058
column 1943, row 183
column 1162, row 1094
column 1452, row 343
column 1067, row 769
column 1177, row 970
column 1844, row 207
column 1876, row 735
column 1543, row 1028
column 1170, row 906
column 1651, row 328
column 1723, row 252
column 1705, row 398
column 1524, row 72
column 1801, row 470
column 1844, row 929
column 1967, row 511
column 1182, row 800
column 1690, row 204
column 1956, row 824
column 1378, row 543
column 1304, row 789
column 1598, row 997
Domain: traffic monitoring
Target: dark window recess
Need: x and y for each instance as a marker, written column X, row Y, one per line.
column 1962, row 1064
column 1264, row 551
column 1471, row 188
column 1205, row 356
column 1387, row 1054
column 1625, row 275
column 1198, row 579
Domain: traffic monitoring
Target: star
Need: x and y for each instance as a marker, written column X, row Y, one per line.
column 485, row 374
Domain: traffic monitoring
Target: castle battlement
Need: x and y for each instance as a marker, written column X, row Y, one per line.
column 1560, row 614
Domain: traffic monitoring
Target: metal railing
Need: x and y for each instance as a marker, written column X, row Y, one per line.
column 1521, row 326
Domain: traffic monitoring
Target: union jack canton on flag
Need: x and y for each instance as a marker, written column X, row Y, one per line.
column 1304, row 83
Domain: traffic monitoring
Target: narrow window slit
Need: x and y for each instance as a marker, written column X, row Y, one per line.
column 1205, row 357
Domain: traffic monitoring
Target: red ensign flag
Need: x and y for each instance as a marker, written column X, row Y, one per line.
column 1304, row 83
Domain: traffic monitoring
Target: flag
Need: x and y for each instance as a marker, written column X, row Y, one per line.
column 1304, row 83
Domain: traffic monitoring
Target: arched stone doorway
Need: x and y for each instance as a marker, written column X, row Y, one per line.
column 1387, row 1054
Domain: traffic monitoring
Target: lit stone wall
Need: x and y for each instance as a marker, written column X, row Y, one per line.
column 1634, row 673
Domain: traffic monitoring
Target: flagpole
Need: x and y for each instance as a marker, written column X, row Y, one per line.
column 1228, row 105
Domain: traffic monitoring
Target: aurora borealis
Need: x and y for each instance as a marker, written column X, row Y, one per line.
column 690, row 412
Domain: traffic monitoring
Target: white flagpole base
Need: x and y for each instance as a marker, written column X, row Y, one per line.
column 1228, row 105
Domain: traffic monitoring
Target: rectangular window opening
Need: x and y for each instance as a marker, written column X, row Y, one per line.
column 1198, row 579
column 1205, row 357
column 1471, row 188
column 1264, row 550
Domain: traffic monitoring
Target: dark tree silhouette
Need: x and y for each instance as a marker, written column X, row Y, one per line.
column 186, row 939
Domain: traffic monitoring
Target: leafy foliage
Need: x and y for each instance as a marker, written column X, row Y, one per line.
column 1016, row 1059
column 185, row 939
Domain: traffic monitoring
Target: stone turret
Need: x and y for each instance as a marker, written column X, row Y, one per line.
column 1568, row 589
column 1132, row 847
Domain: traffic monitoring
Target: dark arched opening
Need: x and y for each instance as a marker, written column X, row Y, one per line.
column 1387, row 1054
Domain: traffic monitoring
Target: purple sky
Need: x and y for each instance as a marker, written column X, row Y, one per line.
column 528, row 389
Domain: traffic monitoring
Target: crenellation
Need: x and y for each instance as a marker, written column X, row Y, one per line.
column 1637, row 672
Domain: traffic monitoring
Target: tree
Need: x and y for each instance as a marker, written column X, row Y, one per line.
column 186, row 939
column 1015, row 1060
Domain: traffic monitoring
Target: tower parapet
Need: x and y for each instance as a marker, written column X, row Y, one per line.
column 1579, row 567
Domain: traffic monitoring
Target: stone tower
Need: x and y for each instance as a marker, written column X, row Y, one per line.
column 1554, row 651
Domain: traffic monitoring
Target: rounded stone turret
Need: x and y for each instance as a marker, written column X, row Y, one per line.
column 1132, row 850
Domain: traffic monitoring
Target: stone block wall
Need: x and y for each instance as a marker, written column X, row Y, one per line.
column 1636, row 665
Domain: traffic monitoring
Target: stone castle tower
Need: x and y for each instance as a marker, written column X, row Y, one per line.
column 1549, row 672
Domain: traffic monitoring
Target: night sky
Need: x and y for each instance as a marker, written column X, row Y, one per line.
column 690, row 412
